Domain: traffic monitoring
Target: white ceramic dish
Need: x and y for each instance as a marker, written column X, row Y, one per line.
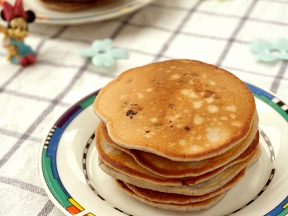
column 76, row 185
column 96, row 14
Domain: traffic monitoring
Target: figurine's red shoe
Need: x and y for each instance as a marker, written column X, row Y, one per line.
column 30, row 58
column 23, row 61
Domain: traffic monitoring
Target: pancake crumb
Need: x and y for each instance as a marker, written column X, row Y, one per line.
column 187, row 128
column 131, row 113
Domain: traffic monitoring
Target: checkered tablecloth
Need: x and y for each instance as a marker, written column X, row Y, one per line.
column 213, row 31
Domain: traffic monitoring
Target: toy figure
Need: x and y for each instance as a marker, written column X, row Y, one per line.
column 16, row 31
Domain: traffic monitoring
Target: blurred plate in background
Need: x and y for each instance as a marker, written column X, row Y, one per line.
column 101, row 12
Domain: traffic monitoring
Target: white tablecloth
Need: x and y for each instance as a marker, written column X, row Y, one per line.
column 213, row 31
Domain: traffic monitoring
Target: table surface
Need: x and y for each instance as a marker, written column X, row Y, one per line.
column 213, row 31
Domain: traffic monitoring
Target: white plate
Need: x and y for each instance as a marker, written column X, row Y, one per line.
column 96, row 14
column 76, row 185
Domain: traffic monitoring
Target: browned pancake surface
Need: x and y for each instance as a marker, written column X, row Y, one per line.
column 180, row 109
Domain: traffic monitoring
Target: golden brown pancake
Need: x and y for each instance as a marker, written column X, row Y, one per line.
column 196, row 206
column 202, row 188
column 124, row 163
column 182, row 110
column 167, row 168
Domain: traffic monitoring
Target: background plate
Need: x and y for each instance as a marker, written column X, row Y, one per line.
column 100, row 13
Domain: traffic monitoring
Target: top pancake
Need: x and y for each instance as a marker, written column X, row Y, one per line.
column 180, row 109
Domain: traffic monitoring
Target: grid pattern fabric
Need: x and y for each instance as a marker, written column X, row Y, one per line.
column 31, row 98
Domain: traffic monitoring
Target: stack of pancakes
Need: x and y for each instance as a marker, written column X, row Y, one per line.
column 177, row 134
column 74, row 5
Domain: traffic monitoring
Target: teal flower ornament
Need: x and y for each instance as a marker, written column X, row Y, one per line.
column 103, row 54
column 270, row 52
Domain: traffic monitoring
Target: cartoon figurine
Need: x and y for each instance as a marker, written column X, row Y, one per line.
column 16, row 31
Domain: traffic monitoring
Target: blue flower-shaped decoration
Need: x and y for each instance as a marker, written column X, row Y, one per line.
column 103, row 54
column 270, row 52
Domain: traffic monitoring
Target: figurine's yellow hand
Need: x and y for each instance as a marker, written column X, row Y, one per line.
column 3, row 29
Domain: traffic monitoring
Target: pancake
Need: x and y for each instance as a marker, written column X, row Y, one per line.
column 124, row 163
column 182, row 110
column 202, row 188
column 73, row 5
column 196, row 206
column 167, row 168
